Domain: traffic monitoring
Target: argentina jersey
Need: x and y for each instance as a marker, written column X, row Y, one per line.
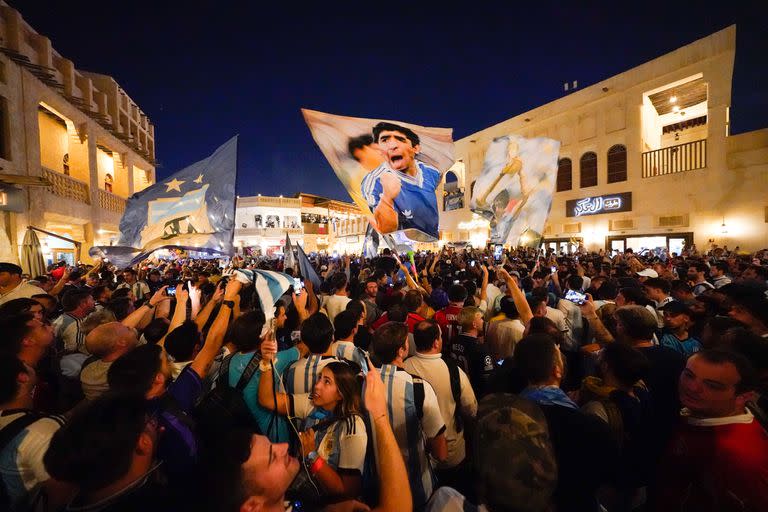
column 416, row 204
column 302, row 375
column 406, row 395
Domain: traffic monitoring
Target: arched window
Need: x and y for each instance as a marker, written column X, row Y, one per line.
column 617, row 164
column 451, row 181
column 588, row 168
column 564, row 174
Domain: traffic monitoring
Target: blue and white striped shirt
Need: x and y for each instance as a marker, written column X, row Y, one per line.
column 301, row 377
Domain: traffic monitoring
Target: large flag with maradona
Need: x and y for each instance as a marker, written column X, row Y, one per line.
column 193, row 209
column 391, row 169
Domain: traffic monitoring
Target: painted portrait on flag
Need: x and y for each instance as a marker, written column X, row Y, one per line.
column 514, row 190
column 391, row 169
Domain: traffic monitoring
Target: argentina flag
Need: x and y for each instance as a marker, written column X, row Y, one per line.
column 269, row 285
column 193, row 209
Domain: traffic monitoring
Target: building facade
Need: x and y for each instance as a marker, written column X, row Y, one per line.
column 73, row 147
column 317, row 223
column 646, row 160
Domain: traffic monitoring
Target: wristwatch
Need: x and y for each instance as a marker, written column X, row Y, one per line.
column 150, row 306
column 228, row 303
column 312, row 456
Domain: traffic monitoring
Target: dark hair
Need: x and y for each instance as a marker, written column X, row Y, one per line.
column 723, row 266
column 638, row 322
column 534, row 357
column 357, row 307
column 245, row 331
column 180, row 343
column 135, row 371
column 508, row 307
column 457, row 293
column 384, row 126
column 749, row 344
column 748, row 376
column 608, row 290
column 129, row 270
column 412, row 300
column 680, row 286
column 700, row 266
column 344, row 323
column 156, row 329
column 436, row 282
column 424, row 335
column 359, row 142
column 635, row 295
column 627, row 364
column 15, row 329
column 575, row 282
column 121, row 293
column 17, row 306
column 397, row 313
column 345, row 375
column 10, row 368
column 97, row 291
column 388, row 340
column 73, row 298
column 543, row 325
column 95, row 447
column 317, row 333
column 119, row 306
column 338, row 281
column 659, row 283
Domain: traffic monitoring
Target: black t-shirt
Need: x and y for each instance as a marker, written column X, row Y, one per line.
column 475, row 360
column 662, row 381
column 586, row 457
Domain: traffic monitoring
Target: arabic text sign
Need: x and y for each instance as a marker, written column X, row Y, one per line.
column 609, row 203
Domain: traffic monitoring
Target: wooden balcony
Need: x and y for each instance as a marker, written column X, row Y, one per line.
column 67, row 186
column 674, row 159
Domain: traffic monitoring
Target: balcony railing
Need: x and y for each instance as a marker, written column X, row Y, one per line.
column 674, row 159
column 268, row 232
column 111, row 202
column 67, row 187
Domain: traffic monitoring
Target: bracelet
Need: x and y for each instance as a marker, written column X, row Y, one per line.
column 229, row 303
column 379, row 417
column 150, row 306
column 317, row 465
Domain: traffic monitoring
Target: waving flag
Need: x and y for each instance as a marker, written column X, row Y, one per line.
column 514, row 190
column 307, row 272
column 270, row 286
column 193, row 209
column 289, row 261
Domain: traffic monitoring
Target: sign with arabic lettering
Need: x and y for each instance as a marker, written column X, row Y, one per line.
column 621, row 202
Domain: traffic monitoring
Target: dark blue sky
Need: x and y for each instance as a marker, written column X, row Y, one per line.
column 204, row 71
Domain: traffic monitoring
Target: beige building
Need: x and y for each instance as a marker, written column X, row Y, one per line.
column 78, row 132
column 646, row 160
column 316, row 223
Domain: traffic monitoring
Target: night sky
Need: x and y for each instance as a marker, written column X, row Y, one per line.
column 204, row 71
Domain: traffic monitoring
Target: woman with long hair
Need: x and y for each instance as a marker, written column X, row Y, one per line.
column 333, row 436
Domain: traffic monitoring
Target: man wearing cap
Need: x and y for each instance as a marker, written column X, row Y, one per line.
column 677, row 320
column 657, row 289
column 12, row 286
column 511, row 433
column 646, row 274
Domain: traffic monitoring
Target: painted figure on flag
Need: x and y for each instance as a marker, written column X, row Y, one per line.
column 515, row 188
column 391, row 169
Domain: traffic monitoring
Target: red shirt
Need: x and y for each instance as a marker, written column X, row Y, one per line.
column 412, row 320
column 448, row 320
column 717, row 464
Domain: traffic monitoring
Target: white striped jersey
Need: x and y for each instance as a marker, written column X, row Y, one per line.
column 68, row 330
column 301, row 376
column 411, row 427
column 347, row 350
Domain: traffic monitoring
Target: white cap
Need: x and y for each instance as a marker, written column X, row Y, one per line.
column 648, row 272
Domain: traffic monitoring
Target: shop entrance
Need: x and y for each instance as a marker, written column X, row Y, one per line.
column 561, row 245
column 673, row 242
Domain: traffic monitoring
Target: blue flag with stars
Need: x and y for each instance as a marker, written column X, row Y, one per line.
column 193, row 209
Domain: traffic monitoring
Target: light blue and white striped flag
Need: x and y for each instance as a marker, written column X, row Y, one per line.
column 270, row 286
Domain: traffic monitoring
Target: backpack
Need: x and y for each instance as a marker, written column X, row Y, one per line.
column 224, row 407
column 455, row 379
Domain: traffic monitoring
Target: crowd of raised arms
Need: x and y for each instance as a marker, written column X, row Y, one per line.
column 442, row 381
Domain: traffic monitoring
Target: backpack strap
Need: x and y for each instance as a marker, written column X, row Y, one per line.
column 223, row 378
column 249, row 371
column 418, row 396
column 455, row 379
column 14, row 428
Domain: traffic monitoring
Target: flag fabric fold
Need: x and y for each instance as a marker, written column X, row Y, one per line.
column 307, row 272
column 269, row 285
column 193, row 209
column 289, row 261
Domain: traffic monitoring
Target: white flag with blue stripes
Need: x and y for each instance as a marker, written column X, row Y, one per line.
column 270, row 286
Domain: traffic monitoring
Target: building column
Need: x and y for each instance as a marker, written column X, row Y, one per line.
column 130, row 170
column 93, row 172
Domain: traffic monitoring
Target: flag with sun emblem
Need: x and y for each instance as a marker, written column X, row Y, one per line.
column 193, row 209
column 514, row 190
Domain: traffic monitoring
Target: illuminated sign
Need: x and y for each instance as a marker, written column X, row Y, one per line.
column 621, row 202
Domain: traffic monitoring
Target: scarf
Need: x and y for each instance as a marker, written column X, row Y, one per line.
column 548, row 395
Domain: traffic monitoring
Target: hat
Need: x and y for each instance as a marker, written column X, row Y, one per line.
column 676, row 307
column 648, row 272
column 11, row 268
column 323, row 267
column 512, row 433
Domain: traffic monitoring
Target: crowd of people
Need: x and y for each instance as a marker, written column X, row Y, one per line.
column 442, row 381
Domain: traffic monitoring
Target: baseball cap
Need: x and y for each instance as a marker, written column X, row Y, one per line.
column 648, row 272
column 513, row 454
column 676, row 307
column 11, row 268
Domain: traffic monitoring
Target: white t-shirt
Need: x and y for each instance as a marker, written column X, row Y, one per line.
column 433, row 369
column 23, row 291
column 335, row 304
